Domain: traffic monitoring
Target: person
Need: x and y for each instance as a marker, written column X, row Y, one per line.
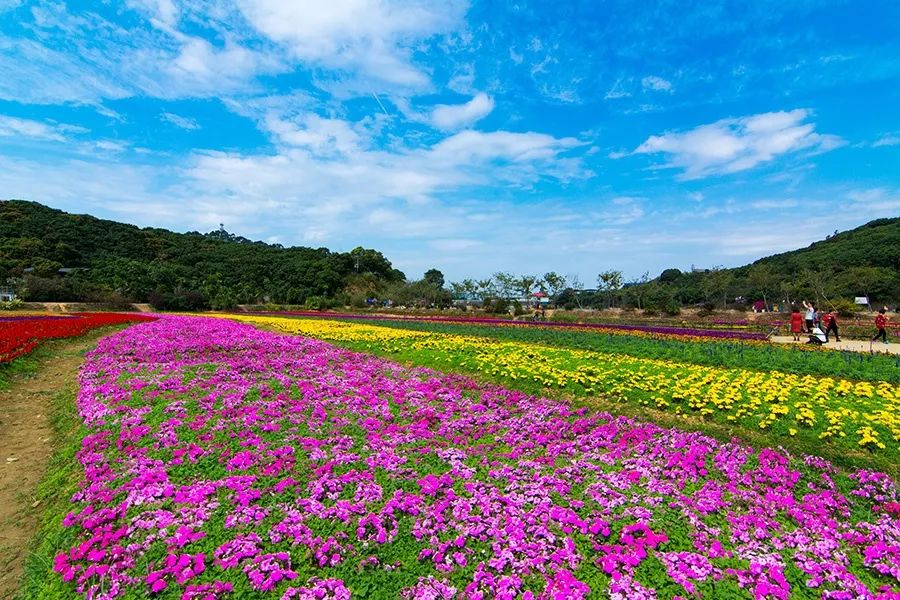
column 831, row 325
column 810, row 316
column 880, row 324
column 817, row 336
column 796, row 324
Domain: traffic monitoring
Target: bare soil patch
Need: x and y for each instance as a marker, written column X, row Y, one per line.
column 26, row 444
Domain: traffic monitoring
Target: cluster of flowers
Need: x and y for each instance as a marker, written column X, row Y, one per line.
column 863, row 414
column 21, row 335
column 696, row 332
column 225, row 461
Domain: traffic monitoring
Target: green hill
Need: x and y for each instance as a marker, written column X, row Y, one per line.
column 113, row 261
column 860, row 262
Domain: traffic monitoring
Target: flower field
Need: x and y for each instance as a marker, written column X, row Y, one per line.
column 801, row 359
column 840, row 415
column 731, row 333
column 21, row 335
column 223, row 461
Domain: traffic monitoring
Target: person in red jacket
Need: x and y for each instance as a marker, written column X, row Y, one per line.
column 796, row 324
column 880, row 324
column 831, row 324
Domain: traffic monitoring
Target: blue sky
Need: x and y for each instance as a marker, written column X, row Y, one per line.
column 471, row 137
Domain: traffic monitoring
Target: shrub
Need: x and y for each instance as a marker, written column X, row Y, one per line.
column 500, row 306
column 316, row 303
column 846, row 308
column 13, row 304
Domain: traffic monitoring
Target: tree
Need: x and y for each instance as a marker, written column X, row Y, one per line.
column 577, row 287
column 864, row 279
column 42, row 267
column 434, row 277
column 638, row 288
column 506, row 284
column 526, row 285
column 717, row 283
column 555, row 282
column 610, row 282
column 762, row 279
column 670, row 276
column 484, row 288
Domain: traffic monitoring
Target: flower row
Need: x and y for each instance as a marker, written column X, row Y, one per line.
column 19, row 336
column 658, row 330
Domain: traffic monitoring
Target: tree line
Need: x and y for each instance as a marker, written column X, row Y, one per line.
column 110, row 262
column 106, row 261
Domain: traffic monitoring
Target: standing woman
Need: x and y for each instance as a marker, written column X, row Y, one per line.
column 810, row 316
column 796, row 323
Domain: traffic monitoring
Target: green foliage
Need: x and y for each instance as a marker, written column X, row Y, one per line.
column 115, row 262
column 861, row 262
column 434, row 277
column 13, row 304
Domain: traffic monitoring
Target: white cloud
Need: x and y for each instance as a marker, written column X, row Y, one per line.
column 454, row 116
column 179, row 121
column 84, row 58
column 617, row 91
column 875, row 199
column 374, row 37
column 321, row 136
column 733, row 145
column 622, row 210
column 26, row 128
column 887, row 139
column 468, row 147
column 163, row 11
column 652, row 82
column 773, row 204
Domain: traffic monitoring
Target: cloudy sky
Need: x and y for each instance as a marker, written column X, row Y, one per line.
column 472, row 137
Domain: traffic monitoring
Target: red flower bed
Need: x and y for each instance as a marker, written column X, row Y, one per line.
column 21, row 336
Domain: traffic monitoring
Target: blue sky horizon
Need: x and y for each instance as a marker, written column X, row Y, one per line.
column 472, row 137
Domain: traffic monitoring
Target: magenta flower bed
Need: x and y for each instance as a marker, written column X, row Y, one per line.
column 723, row 334
column 222, row 461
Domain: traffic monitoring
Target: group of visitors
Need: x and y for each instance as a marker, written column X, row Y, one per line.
column 819, row 325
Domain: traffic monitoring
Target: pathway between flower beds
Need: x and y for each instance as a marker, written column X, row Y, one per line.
column 848, row 345
column 224, row 461
column 25, row 447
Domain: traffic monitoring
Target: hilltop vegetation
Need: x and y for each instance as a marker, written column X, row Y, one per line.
column 860, row 262
column 182, row 271
column 118, row 262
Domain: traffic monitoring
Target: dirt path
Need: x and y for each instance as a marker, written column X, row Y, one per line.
column 26, row 443
column 852, row 345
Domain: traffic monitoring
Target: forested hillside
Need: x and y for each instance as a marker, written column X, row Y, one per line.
column 860, row 262
column 118, row 262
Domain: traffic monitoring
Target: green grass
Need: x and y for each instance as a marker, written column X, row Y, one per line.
column 55, row 492
column 22, row 366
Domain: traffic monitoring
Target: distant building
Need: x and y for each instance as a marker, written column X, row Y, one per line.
column 696, row 269
column 7, row 294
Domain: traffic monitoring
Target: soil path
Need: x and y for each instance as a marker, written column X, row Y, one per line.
column 851, row 345
column 26, row 443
